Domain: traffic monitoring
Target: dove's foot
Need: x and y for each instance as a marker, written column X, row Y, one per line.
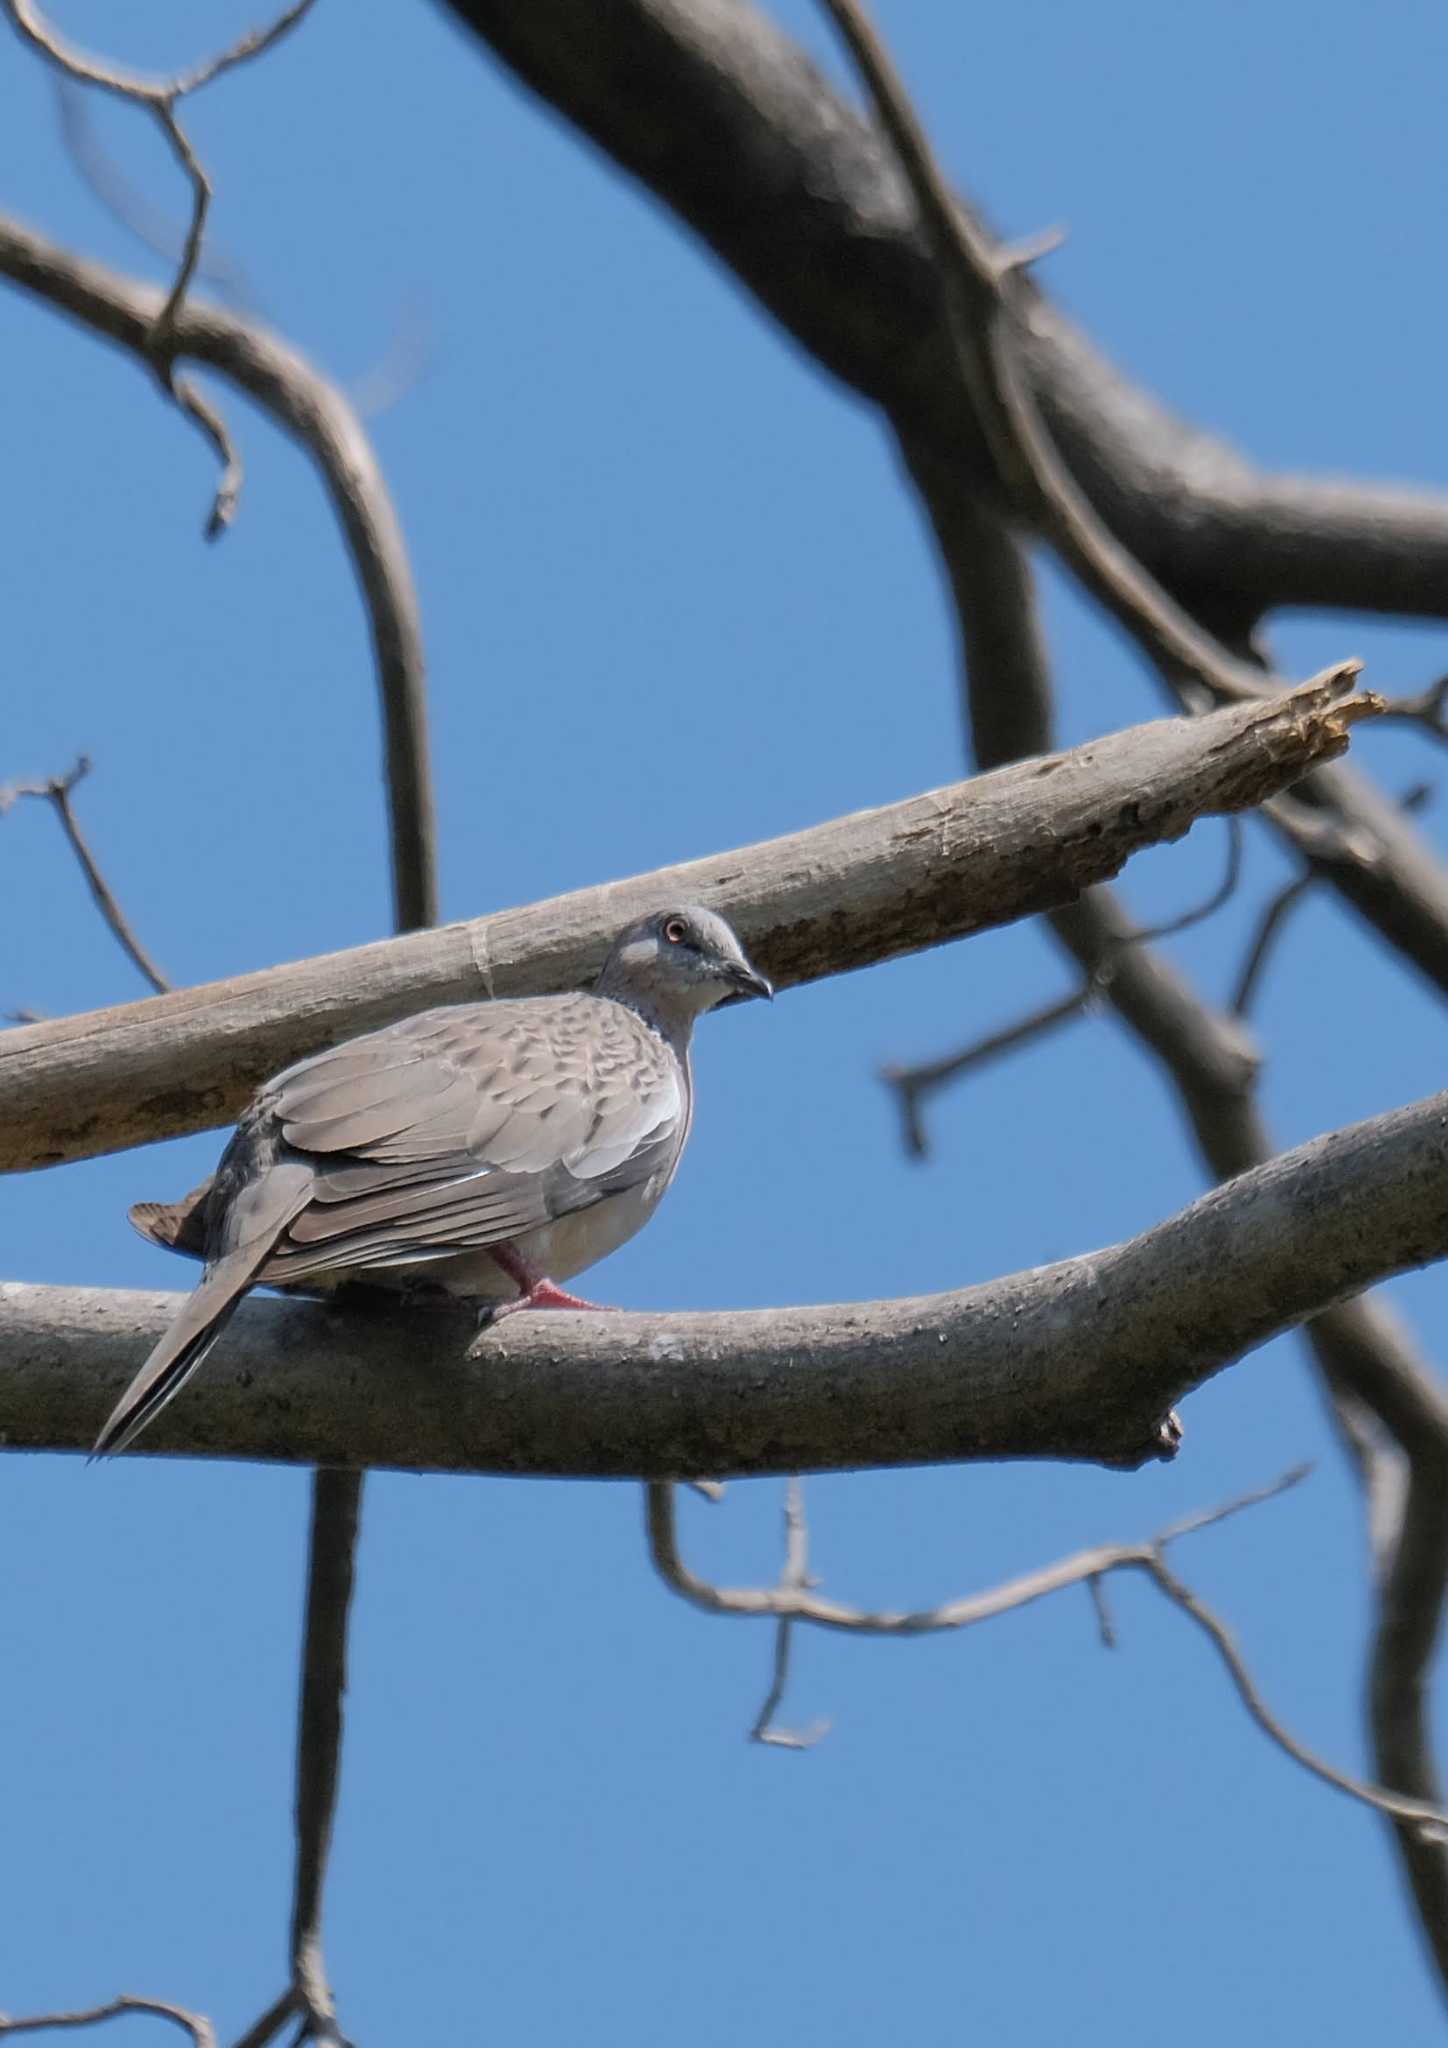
column 540, row 1293
column 543, row 1294
column 536, row 1290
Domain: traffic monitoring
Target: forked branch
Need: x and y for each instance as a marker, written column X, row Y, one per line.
column 793, row 1600
column 200, row 2029
column 56, row 791
column 160, row 98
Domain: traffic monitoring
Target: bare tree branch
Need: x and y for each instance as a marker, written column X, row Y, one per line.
column 1269, row 929
column 159, row 98
column 1372, row 857
column 156, row 232
column 56, row 791
column 915, row 1084
column 336, row 1511
column 1379, row 865
column 1280, row 908
column 1385, row 1397
column 405, row 353
column 276, row 2016
column 320, row 419
column 860, row 889
column 1428, row 710
column 1082, row 1359
column 136, row 85
column 983, row 311
column 734, row 128
column 794, row 1578
column 201, row 2031
column 1410, row 1619
column 1101, row 1608
column 794, row 1603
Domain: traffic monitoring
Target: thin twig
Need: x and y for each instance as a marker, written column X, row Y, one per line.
column 320, row 420
column 271, row 2022
column 914, row 1084
column 1269, row 930
column 794, row 1577
column 1429, row 709
column 798, row 1604
column 159, row 96
column 199, row 2028
column 406, row 351
column 981, row 282
column 56, row 791
column 136, row 85
column 1281, row 906
column 128, row 207
column 1105, row 1626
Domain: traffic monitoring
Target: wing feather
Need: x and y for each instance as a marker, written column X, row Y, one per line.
column 469, row 1126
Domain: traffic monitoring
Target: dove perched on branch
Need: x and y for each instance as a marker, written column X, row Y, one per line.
column 490, row 1150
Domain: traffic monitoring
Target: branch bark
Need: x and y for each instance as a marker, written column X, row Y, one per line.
column 1386, row 1399
column 1083, row 1359
column 807, row 202
column 331, row 1575
column 841, row 895
column 726, row 120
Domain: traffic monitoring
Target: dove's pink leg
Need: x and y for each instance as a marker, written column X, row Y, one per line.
column 538, row 1290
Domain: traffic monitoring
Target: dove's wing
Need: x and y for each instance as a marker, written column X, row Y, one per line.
column 469, row 1126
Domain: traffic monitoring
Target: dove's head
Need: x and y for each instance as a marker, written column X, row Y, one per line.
column 679, row 963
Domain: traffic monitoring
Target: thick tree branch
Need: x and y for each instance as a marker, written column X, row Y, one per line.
column 857, row 890
column 729, row 123
column 1083, row 1359
column 320, row 419
column 1373, row 856
column 1377, row 1380
column 724, row 118
column 1410, row 1619
column 984, row 297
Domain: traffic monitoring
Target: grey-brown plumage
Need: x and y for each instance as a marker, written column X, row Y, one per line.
column 490, row 1149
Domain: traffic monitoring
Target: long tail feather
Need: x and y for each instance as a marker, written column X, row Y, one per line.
column 206, row 1313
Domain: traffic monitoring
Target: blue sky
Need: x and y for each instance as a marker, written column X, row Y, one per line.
column 676, row 599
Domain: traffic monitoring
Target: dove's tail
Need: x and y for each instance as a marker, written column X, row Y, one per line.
column 206, row 1313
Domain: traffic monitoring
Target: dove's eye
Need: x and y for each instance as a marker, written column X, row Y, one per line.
column 676, row 931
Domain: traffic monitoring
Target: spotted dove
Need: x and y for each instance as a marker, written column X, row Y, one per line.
column 487, row 1149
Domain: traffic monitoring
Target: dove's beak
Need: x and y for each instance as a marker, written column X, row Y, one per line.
column 750, row 982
